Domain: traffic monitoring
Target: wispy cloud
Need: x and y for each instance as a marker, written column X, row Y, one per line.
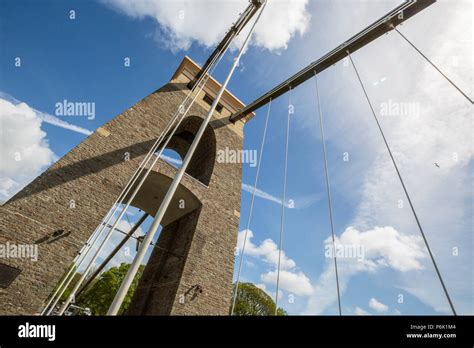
column 300, row 202
column 262, row 194
column 55, row 121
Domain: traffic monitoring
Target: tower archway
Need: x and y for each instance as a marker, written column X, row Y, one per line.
column 202, row 162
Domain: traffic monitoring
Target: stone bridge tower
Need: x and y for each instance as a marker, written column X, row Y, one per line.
column 190, row 271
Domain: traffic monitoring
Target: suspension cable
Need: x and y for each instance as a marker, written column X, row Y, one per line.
column 433, row 65
column 328, row 188
column 249, row 219
column 404, row 187
column 283, row 202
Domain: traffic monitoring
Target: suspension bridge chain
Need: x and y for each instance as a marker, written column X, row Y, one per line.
column 403, row 185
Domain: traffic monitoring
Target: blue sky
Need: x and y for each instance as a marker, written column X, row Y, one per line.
column 82, row 60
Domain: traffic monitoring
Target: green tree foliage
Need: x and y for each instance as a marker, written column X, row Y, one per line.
column 254, row 301
column 100, row 295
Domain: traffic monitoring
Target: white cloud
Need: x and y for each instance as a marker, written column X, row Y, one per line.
column 377, row 305
column 186, row 21
column 384, row 248
column 360, row 311
column 267, row 250
column 25, row 150
column 291, row 280
column 296, row 283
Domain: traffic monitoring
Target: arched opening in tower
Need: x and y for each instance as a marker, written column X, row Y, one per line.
column 201, row 165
